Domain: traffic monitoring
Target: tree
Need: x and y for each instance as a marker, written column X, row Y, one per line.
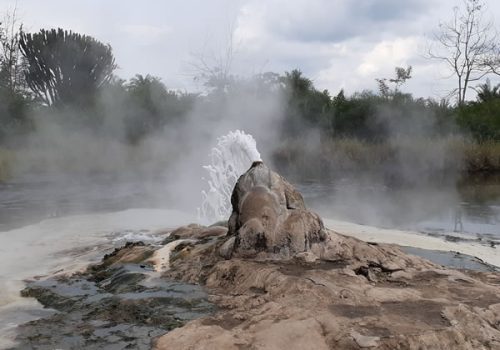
column 15, row 102
column 402, row 75
column 486, row 92
column 213, row 68
column 66, row 67
column 151, row 106
column 467, row 44
column 481, row 119
column 11, row 62
column 306, row 106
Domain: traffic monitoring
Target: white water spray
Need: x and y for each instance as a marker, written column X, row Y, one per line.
column 233, row 155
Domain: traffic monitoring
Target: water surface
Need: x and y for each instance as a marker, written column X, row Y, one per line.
column 471, row 209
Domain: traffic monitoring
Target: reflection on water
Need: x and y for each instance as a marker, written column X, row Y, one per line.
column 33, row 199
column 472, row 209
column 476, row 202
column 451, row 259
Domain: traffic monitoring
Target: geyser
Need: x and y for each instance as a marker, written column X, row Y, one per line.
column 229, row 159
column 269, row 216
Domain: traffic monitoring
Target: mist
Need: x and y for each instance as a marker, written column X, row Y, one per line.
column 378, row 157
column 406, row 169
column 85, row 161
column 123, row 136
column 72, row 152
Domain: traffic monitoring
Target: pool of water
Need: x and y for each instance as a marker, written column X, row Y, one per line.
column 451, row 259
column 31, row 199
column 471, row 209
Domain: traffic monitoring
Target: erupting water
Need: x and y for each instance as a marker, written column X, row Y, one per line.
column 233, row 155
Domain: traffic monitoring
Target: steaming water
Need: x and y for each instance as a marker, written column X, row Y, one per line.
column 232, row 156
column 433, row 211
column 69, row 241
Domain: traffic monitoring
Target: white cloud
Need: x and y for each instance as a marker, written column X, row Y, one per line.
column 145, row 34
column 250, row 26
column 337, row 43
column 388, row 53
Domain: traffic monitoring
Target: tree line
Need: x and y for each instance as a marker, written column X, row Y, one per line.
column 57, row 71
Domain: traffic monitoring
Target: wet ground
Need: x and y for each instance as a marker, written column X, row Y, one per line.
column 117, row 304
column 122, row 303
column 452, row 259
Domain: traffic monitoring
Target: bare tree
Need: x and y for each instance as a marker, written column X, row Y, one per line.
column 11, row 60
column 213, row 67
column 492, row 61
column 467, row 44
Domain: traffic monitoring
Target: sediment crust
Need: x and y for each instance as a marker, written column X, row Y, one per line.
column 364, row 296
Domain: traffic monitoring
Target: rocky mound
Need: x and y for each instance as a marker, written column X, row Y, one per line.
column 269, row 217
column 364, row 296
column 287, row 283
column 275, row 279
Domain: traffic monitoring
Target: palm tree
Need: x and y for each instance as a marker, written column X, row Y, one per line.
column 485, row 92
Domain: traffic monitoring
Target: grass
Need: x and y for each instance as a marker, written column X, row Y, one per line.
column 482, row 157
column 85, row 156
column 303, row 159
column 6, row 162
column 399, row 157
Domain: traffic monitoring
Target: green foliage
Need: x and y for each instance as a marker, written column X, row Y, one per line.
column 486, row 92
column 14, row 115
column 364, row 115
column 150, row 94
column 65, row 67
column 481, row 119
column 70, row 75
column 368, row 116
column 151, row 106
column 402, row 75
column 306, row 106
column 351, row 116
column 15, row 102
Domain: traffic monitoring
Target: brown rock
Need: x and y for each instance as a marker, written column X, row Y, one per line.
column 336, row 293
column 357, row 296
column 269, row 216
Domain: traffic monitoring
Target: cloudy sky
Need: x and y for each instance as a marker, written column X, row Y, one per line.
column 337, row 43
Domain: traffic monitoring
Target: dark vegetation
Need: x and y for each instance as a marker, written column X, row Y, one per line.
column 65, row 68
column 71, row 78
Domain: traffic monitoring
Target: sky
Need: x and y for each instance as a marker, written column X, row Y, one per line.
column 339, row 44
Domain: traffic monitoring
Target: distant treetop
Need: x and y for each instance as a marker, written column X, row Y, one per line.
column 65, row 67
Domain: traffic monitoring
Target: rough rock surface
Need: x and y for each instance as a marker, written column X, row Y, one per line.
column 365, row 295
column 282, row 281
column 269, row 216
column 278, row 280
